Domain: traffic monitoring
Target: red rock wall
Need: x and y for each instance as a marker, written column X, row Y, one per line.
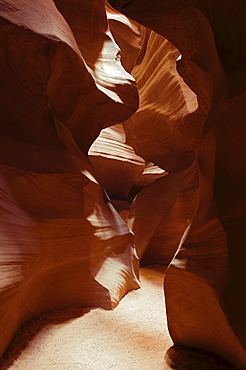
column 174, row 169
column 204, row 281
column 62, row 242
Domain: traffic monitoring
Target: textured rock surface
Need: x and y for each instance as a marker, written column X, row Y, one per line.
column 179, row 160
column 115, row 163
column 62, row 243
column 163, row 131
column 203, row 285
column 126, row 35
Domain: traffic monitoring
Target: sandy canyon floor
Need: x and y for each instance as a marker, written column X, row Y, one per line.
column 132, row 337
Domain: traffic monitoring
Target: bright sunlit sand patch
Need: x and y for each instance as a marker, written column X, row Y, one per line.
column 134, row 336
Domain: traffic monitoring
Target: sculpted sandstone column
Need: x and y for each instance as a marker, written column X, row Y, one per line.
column 62, row 243
column 203, row 284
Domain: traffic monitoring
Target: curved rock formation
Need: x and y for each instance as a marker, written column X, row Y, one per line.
column 162, row 131
column 230, row 185
column 203, row 285
column 62, row 242
column 115, row 163
column 178, row 159
column 126, row 35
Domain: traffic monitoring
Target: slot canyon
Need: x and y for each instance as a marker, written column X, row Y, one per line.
column 122, row 182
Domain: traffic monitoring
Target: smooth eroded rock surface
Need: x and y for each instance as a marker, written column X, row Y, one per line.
column 122, row 139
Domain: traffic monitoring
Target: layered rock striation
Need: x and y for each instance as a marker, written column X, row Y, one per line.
column 203, row 283
column 84, row 142
column 62, row 242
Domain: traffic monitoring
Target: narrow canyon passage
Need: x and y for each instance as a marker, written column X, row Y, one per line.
column 122, row 145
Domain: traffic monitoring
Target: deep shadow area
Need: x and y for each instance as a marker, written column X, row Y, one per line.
column 184, row 358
